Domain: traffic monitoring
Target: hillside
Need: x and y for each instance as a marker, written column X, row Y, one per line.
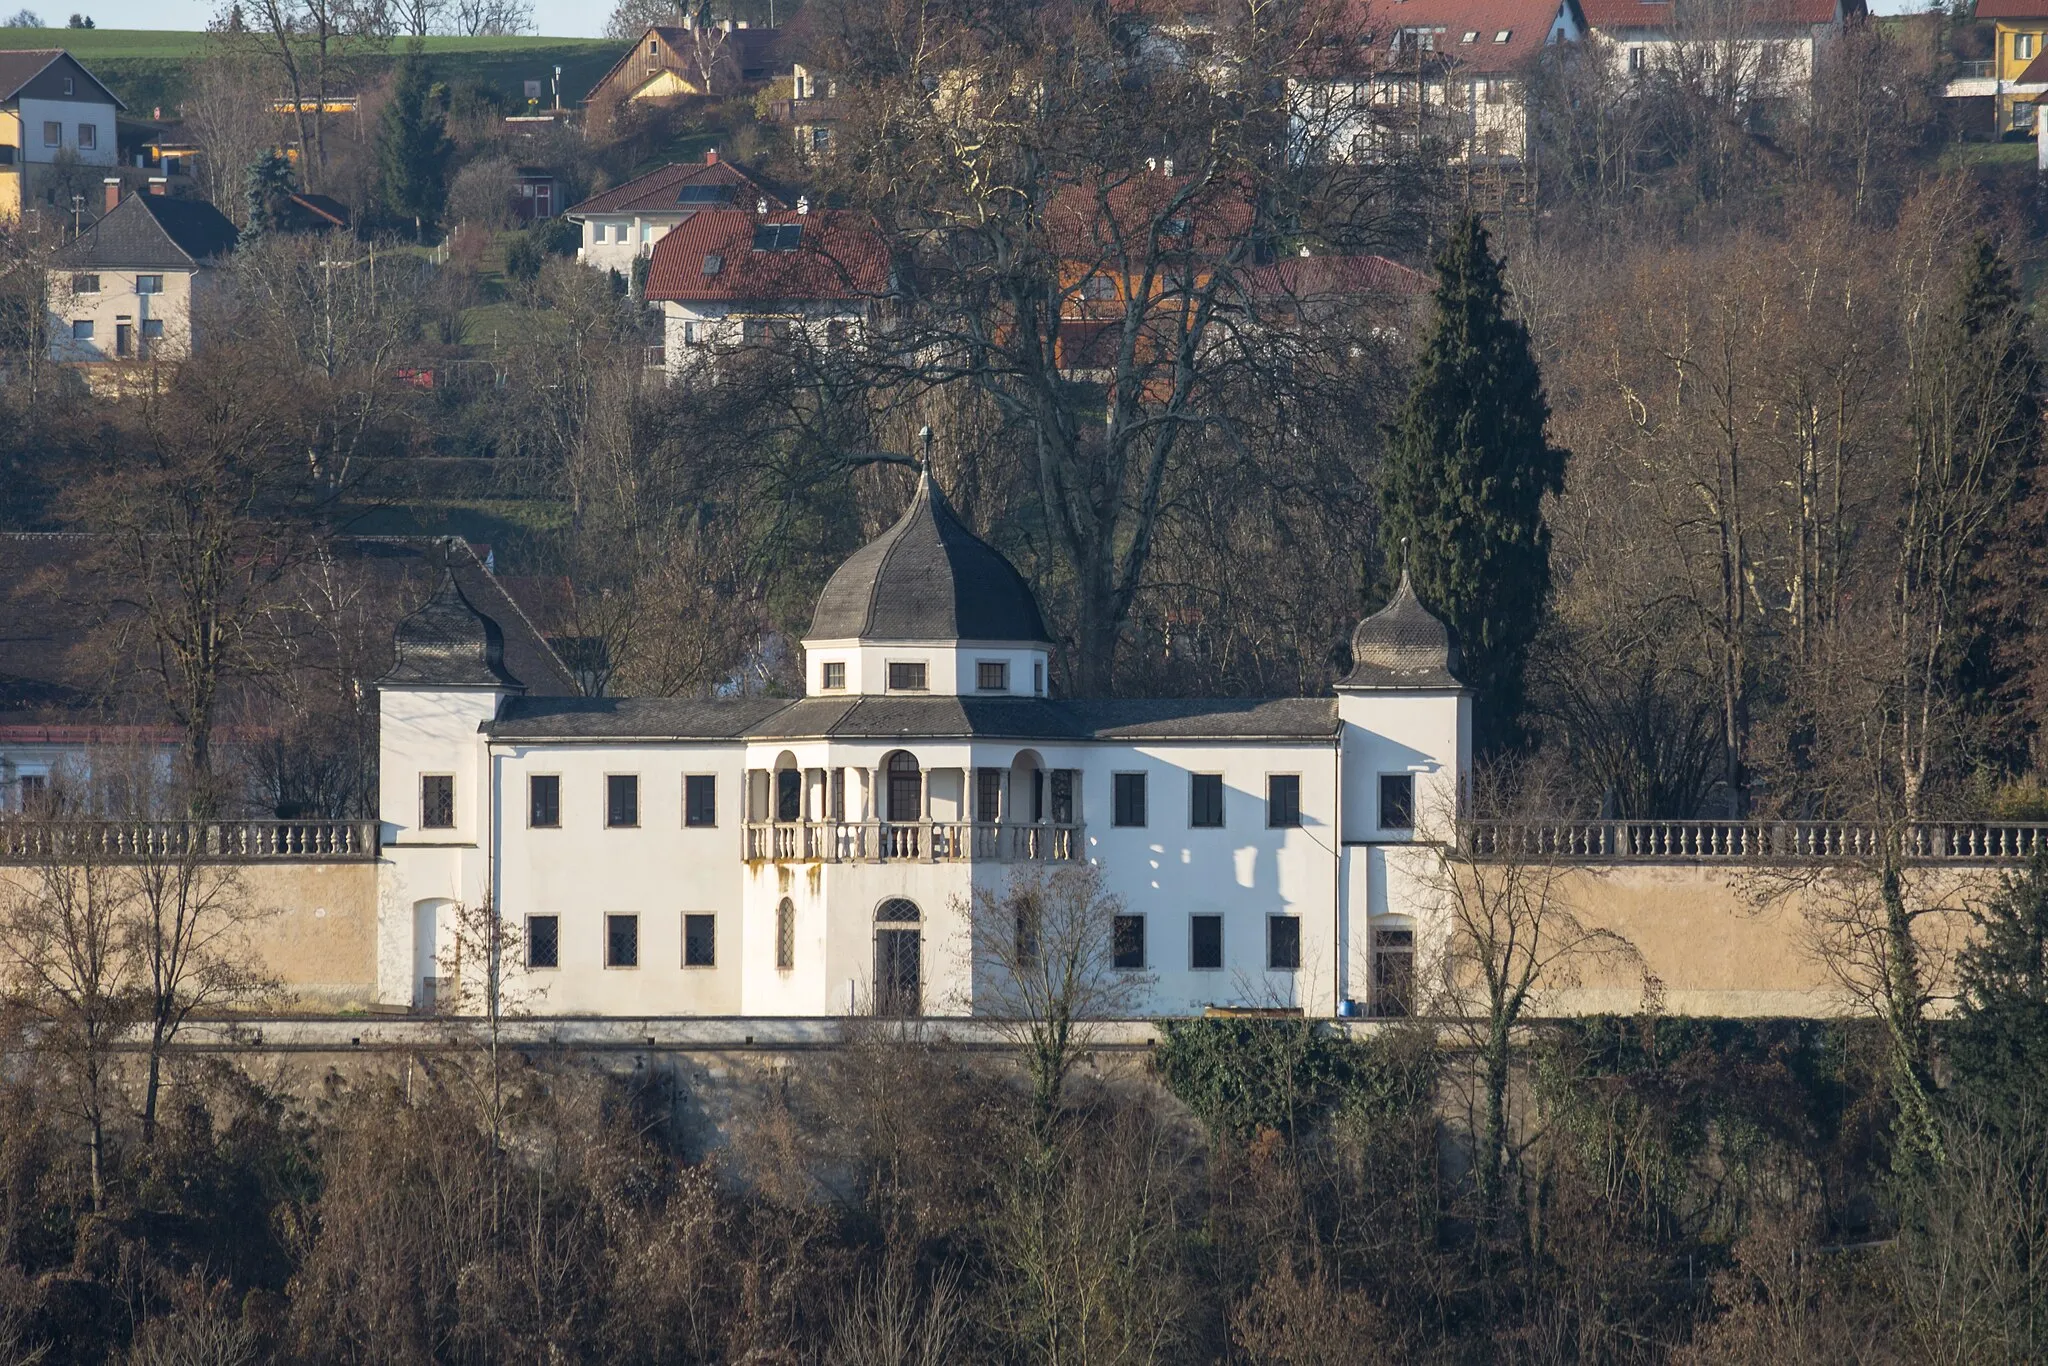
column 147, row 67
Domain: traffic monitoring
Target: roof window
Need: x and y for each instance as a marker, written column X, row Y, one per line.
column 778, row 236
column 704, row 194
column 1502, row 36
column 713, row 264
column 1471, row 36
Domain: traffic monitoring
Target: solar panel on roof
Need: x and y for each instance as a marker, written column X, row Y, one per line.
column 778, row 236
column 704, row 194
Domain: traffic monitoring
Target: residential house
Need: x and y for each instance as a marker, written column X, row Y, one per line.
column 1309, row 289
column 668, row 61
column 727, row 277
column 535, row 193
column 134, row 285
column 54, row 114
column 1450, row 75
column 1751, row 49
column 813, row 111
column 625, row 222
column 302, row 211
column 2017, row 77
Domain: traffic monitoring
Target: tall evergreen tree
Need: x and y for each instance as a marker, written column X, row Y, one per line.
column 1466, row 471
column 268, row 183
column 413, row 148
column 1998, row 1043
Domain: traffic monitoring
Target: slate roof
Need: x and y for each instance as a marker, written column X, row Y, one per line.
column 152, row 232
column 916, row 718
column 714, row 256
column 927, row 578
column 447, row 643
column 19, row 66
column 659, row 190
column 1402, row 646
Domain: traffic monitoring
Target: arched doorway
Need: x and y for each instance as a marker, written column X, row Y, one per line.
column 906, row 789
column 789, row 789
column 899, row 959
column 432, row 922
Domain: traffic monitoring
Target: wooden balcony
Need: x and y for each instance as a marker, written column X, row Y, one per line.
column 909, row 842
column 28, row 840
column 1754, row 842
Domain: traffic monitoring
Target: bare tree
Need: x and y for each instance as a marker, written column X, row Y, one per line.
column 228, row 108
column 489, row 18
column 484, row 960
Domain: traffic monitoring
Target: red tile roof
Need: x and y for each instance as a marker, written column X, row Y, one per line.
column 1525, row 22
column 657, row 191
column 1331, row 277
column 2012, row 9
column 1610, row 14
column 1086, row 225
column 712, row 257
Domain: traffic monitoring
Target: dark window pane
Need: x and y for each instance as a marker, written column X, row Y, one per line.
column 1205, row 947
column 544, row 800
column 1393, row 971
column 622, row 941
column 835, row 675
column 906, row 677
column 543, row 941
column 437, row 801
column 1130, row 799
column 785, row 935
column 1127, row 947
column 1207, row 806
column 789, row 794
column 992, row 675
column 622, row 799
column 700, row 799
column 1063, row 796
column 700, row 941
column 1283, row 942
column 1397, row 801
column 988, row 794
column 1283, row 800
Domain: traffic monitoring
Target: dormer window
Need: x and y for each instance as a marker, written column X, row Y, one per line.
column 906, row 677
column 834, row 676
column 992, row 675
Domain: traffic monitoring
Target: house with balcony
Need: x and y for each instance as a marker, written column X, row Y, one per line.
column 623, row 223
column 54, row 114
column 1745, row 49
column 134, row 287
column 2015, row 76
column 817, row 856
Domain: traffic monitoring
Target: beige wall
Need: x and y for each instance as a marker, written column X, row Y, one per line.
column 116, row 301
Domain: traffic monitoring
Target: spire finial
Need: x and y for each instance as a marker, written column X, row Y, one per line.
column 1404, row 561
column 924, row 435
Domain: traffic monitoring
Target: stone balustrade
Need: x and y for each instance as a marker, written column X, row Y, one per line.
column 909, row 841
column 28, row 840
column 1759, row 842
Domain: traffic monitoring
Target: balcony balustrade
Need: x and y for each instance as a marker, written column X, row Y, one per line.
column 27, row 840
column 1753, row 842
column 909, row 842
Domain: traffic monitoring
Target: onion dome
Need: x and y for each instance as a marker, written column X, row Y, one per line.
column 448, row 643
column 1402, row 646
column 928, row 578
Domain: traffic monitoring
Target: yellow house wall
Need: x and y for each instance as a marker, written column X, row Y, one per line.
column 11, row 176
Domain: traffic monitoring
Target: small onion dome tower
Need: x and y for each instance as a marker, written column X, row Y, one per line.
column 448, row 643
column 1403, row 645
column 927, row 607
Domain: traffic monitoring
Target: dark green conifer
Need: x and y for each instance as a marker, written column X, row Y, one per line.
column 1465, row 475
column 413, row 149
column 1998, row 1043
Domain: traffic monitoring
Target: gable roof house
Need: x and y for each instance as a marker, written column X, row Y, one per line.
column 624, row 222
column 670, row 61
column 1743, row 49
column 132, row 287
column 1444, row 74
column 54, row 115
column 728, row 277
column 2017, row 74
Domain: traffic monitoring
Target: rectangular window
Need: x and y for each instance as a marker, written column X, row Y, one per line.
column 152, row 329
column 53, row 134
column 88, row 137
column 621, row 800
column 700, row 941
column 835, row 790
column 149, row 284
column 1038, row 677
column 2023, row 45
column 1127, row 941
column 789, row 794
column 700, row 799
column 85, row 284
column 81, row 329
column 1063, row 796
column 543, row 941
column 1205, row 942
column 1130, row 799
column 124, row 335
column 835, row 675
column 988, row 795
column 1283, row 800
column 437, row 801
column 1205, row 805
column 622, row 941
column 785, row 935
column 906, row 678
column 992, row 675
column 1283, row 942
column 1393, row 971
column 544, row 801
column 35, row 791
column 1397, row 801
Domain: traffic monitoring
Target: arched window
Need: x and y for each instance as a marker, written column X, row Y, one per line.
column 906, row 788
column 789, row 794
column 897, row 909
column 785, row 935
column 899, row 966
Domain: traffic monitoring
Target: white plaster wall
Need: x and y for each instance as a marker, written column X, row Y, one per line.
column 1422, row 733
column 950, row 670
column 116, row 301
column 35, row 113
column 642, row 232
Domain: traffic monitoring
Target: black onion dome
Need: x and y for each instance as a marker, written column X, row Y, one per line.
column 448, row 643
column 928, row 578
column 1402, row 646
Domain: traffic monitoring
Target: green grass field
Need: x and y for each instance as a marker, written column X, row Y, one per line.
column 147, row 68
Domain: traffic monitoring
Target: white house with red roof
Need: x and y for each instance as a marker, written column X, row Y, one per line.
column 728, row 277
column 624, row 222
column 1445, row 73
column 1752, row 49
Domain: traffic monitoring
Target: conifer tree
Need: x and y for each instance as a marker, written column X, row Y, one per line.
column 413, row 148
column 267, row 184
column 1466, row 471
column 1998, row 1044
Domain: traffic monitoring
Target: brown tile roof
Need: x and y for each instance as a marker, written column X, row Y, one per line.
column 1086, row 223
column 660, row 191
column 1506, row 34
column 725, row 254
column 1331, row 277
column 2012, row 9
column 1611, row 14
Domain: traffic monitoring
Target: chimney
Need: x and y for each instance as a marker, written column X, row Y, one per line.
column 761, row 205
column 113, row 184
column 159, row 184
column 1168, row 167
column 710, row 156
column 803, row 203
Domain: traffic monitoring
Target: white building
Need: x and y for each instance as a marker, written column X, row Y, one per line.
column 623, row 223
column 767, row 857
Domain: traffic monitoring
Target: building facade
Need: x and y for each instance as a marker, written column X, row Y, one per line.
column 818, row 857
column 55, row 117
column 135, row 287
column 623, row 223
